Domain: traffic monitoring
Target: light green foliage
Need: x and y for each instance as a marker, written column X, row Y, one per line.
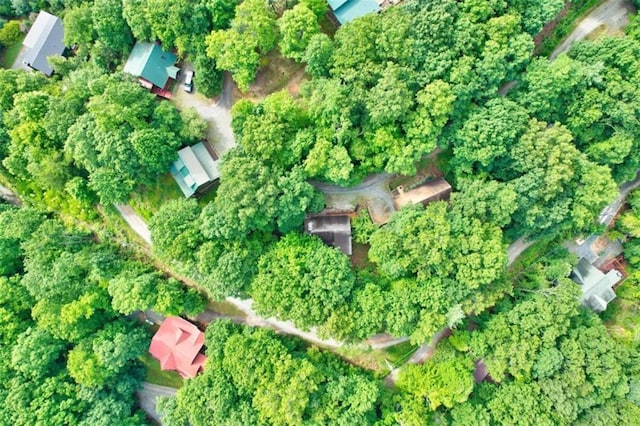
column 78, row 26
column 302, row 279
column 64, row 332
column 555, row 362
column 487, row 137
column 252, row 197
column 318, row 55
column 253, row 376
column 453, row 258
column 297, row 26
column 253, row 32
column 99, row 359
column 445, row 380
column 558, row 189
column 9, row 33
column 37, row 354
column 267, row 132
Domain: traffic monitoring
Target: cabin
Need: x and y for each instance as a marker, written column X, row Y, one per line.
column 597, row 287
column 436, row 189
column 196, row 168
column 153, row 67
column 177, row 345
column 347, row 10
column 44, row 39
column 333, row 230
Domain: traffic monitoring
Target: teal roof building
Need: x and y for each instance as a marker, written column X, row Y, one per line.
column 149, row 62
column 195, row 169
column 348, row 10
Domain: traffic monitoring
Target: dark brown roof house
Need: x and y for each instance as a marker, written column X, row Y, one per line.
column 333, row 230
column 436, row 189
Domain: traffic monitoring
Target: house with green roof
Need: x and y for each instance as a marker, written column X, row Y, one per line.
column 348, row 10
column 196, row 168
column 153, row 66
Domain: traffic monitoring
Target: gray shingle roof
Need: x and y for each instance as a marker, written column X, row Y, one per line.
column 45, row 38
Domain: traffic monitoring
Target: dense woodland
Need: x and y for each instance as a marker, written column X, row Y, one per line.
column 68, row 354
column 534, row 148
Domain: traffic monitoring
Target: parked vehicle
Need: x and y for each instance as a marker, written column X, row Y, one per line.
column 188, row 82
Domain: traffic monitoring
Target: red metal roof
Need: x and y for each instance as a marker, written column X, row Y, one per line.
column 177, row 345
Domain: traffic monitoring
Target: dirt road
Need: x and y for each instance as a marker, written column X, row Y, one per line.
column 613, row 14
column 135, row 222
column 147, row 396
column 216, row 113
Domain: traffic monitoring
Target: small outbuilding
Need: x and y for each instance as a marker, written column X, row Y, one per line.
column 436, row 189
column 153, row 66
column 177, row 345
column 45, row 39
column 196, row 168
column 597, row 287
column 333, row 230
column 348, row 10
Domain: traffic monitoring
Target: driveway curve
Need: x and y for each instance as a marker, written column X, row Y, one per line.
column 614, row 14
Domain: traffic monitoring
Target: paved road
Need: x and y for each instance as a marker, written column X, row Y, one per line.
column 147, row 396
column 613, row 13
column 135, row 222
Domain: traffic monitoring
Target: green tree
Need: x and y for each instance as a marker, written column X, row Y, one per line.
column 297, row 27
column 302, row 279
column 110, row 26
column 253, row 32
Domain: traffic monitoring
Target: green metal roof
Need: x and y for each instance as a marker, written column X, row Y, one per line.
column 149, row 61
column 348, row 10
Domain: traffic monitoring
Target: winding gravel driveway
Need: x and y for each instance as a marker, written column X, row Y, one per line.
column 147, row 396
column 614, row 14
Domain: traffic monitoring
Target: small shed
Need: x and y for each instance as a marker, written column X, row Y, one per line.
column 333, row 230
column 153, row 66
column 196, row 168
column 435, row 190
column 45, row 38
column 177, row 345
column 348, row 10
column 597, row 287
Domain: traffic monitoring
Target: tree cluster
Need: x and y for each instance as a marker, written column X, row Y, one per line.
column 253, row 376
column 89, row 137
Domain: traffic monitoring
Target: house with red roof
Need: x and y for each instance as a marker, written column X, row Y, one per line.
column 177, row 345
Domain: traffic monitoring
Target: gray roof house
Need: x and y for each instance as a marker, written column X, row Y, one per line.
column 45, row 38
column 333, row 230
column 195, row 169
column 597, row 287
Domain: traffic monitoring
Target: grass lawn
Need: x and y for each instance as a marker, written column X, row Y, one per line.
column 148, row 199
column 158, row 377
column 377, row 360
column 9, row 54
column 400, row 353
column 359, row 258
column 226, row 308
column 622, row 316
